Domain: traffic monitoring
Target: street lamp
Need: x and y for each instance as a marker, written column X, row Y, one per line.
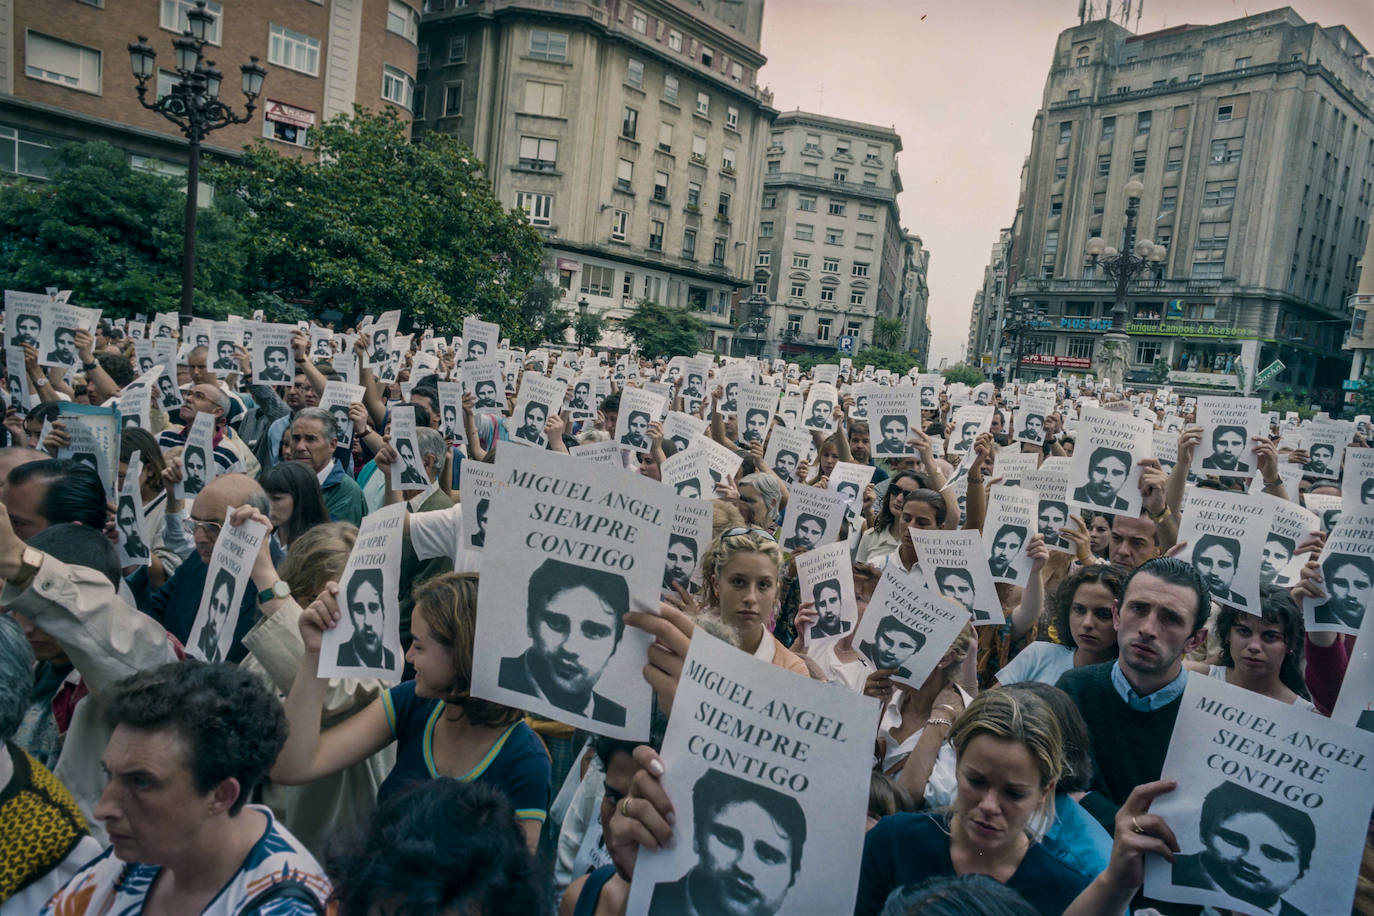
column 1124, row 266
column 757, row 322
column 193, row 105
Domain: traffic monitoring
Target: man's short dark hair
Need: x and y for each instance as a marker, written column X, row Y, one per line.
column 892, row 418
column 268, row 351
column 805, row 517
column 553, row 577
column 1336, row 560
column 224, row 578
column 1230, row 798
column 638, row 413
column 370, row 575
column 117, row 367
column 754, row 412
column 1219, row 431
column 1208, row 541
column 716, row 790
column 826, row 585
column 1287, row 543
column 1176, row 572
column 946, row 571
column 890, row 623
column 1103, row 452
column 683, row 541
column 79, row 545
column 1009, row 528
column 232, row 726
column 75, row 493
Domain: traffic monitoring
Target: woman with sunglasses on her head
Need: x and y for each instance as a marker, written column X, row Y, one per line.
column 882, row 540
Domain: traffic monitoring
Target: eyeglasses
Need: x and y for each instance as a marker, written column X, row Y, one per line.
column 191, row 526
column 902, row 492
column 736, row 532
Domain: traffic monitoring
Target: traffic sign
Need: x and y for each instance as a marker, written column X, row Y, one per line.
column 845, row 344
column 1268, row 372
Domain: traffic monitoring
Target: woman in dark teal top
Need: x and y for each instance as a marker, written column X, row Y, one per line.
column 1008, row 747
column 439, row 729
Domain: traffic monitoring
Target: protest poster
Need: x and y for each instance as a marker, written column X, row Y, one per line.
column 608, row 453
column 477, row 484
column 1164, row 447
column 16, row 378
column 231, row 568
column 1327, row 507
column 337, row 398
column 826, row 579
column 577, row 548
column 321, row 342
column 679, row 429
column 790, row 410
column 135, row 402
column 732, row 378
column 695, row 372
column 1228, row 425
column 584, row 399
column 198, row 465
column 484, row 379
column 1011, row 520
column 820, row 407
column 787, row 449
column 688, row 538
column 24, row 314
column 894, row 414
column 380, row 334
column 907, row 628
column 143, row 355
column 762, row 757
column 1028, row 420
column 480, row 338
column 1289, row 525
column 274, row 360
column 825, row 374
column 850, row 480
column 955, row 564
column 1326, row 451
column 1357, row 486
column 1103, row 474
column 198, row 333
column 638, row 408
column 812, row 518
column 539, row 398
column 451, row 412
column 1225, row 533
column 982, row 394
column 968, row 423
column 723, row 462
column 408, row 467
column 57, row 336
column 129, row 522
column 225, row 338
column 688, row 472
column 1347, row 566
column 1355, row 704
column 94, row 433
column 928, row 387
column 367, row 640
column 861, row 392
column 755, row 418
column 1271, row 806
column 1012, row 465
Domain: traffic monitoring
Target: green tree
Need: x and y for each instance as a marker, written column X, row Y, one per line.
column 374, row 222
column 1289, row 403
column 1363, row 402
column 898, row 361
column 587, row 329
column 661, row 330
column 965, row 373
column 113, row 236
column 887, row 333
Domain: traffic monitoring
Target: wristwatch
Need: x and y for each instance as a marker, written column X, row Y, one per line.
column 29, row 561
column 1160, row 517
column 276, row 592
column 89, row 367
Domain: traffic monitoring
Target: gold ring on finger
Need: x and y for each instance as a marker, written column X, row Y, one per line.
column 1135, row 825
column 625, row 806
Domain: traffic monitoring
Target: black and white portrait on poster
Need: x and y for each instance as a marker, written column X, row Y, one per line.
column 1228, row 425
column 757, row 404
column 812, row 518
column 16, row 378
column 408, row 470
column 1103, row 475
column 907, row 628
column 687, row 542
column 955, row 564
column 1357, row 488
column 1328, row 442
column 1008, row 527
column 689, row 474
column 968, row 423
column 477, row 484
column 225, row 338
column 577, row 548
column 850, row 480
column 231, row 566
column 480, row 339
column 337, row 398
column 95, row 434
column 1347, row 566
column 380, row 334
column 1225, row 533
column 484, row 379
column 1028, row 420
column 1289, row 526
column 826, row 579
column 732, row 378
column 894, row 418
column 1271, row 807
column 696, row 372
column 1355, row 705
column 928, row 388
column 538, row 397
column 679, row 429
column 819, row 413
column 274, row 361
column 758, row 769
column 786, row 450
column 23, row 319
column 1327, row 508
column 723, row 462
column 638, row 408
column 57, row 337
column 367, row 640
column 198, row 466
column 861, row 392
column 129, row 523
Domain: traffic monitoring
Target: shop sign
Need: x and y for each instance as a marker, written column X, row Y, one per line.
column 1085, row 324
column 1209, row 379
column 1185, row 329
column 283, row 113
column 1057, row 362
column 567, row 264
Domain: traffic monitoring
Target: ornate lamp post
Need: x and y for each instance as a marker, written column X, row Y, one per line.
column 1123, row 266
column 193, row 105
column 757, row 321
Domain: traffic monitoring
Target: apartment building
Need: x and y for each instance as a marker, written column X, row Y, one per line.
column 631, row 133
column 1254, row 140
column 65, row 73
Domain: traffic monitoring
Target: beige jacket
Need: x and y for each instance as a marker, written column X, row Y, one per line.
column 320, row 811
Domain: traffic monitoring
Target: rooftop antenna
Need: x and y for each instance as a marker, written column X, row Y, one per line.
column 1139, row 11
column 1082, row 11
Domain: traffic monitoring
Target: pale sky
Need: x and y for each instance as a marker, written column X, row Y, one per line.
column 960, row 82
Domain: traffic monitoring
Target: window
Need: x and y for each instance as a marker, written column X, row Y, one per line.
column 1146, row 352
column 870, row 179
column 863, row 240
column 1056, row 205
column 841, row 148
column 627, row 286
column 1108, row 128
column 801, row 261
column 665, row 136
column 1142, row 122
column 718, row 250
column 873, row 155
column 1226, row 152
column 798, row 290
column 174, row 18
column 624, row 175
column 830, row 265
column 538, row 154
column 620, row 224
column 836, row 208
column 834, row 236
column 1168, row 200
column 538, row 207
column 398, row 86
column 708, row 56
column 813, row 144
column 422, row 57
column 457, row 49
column 765, row 259
column 1080, row 347
column 59, row 62
column 732, row 118
column 698, row 148
column 287, row 125
column 808, row 168
column 1061, row 169
column 693, row 194
column 1073, row 95
column 545, row 45
column 856, row 297
column 1065, row 131
column 723, row 206
column 766, row 229
column 827, row 294
column 634, row 73
column 639, row 22
column 1224, row 112
column 543, row 98
column 727, row 159
column 1242, row 63
column 860, row 269
column 841, row 175
column 1104, row 166
column 807, row 202
column 656, row 235
column 804, row 232
column 670, row 89
column 1138, row 162
column 1099, row 203
column 736, row 71
column 868, row 214
column 1174, row 162
column 689, row 244
column 703, row 104
column 675, row 40
column 794, row 323
column 1081, row 60
column 660, row 186
column 1047, row 270
column 402, row 19
column 823, row 329
column 770, row 200
column 1212, row 237
column 1051, row 241
column 292, row 50
column 629, row 123
column 597, row 280
column 453, row 100
column 1219, row 194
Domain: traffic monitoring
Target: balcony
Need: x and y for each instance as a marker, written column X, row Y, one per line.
column 816, row 182
column 1137, row 287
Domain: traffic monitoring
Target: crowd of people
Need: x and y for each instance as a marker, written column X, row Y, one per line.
column 143, row 773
